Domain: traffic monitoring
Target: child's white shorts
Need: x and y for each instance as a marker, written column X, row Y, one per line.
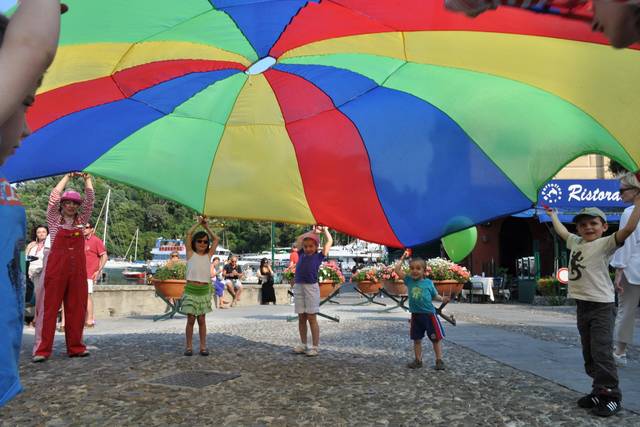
column 90, row 285
column 307, row 298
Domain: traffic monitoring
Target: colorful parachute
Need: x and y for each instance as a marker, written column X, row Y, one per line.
column 392, row 120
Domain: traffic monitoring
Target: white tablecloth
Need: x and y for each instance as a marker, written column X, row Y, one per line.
column 487, row 286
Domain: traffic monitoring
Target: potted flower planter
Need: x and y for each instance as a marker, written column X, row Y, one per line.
column 396, row 287
column 450, row 288
column 171, row 288
column 368, row 287
column 327, row 287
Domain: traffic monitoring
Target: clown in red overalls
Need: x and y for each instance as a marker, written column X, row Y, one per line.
column 65, row 277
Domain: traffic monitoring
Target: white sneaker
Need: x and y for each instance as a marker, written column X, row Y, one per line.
column 300, row 349
column 312, row 352
column 620, row 359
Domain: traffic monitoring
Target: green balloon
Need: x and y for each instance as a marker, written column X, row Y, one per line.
column 460, row 244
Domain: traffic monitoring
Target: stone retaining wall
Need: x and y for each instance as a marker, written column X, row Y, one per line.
column 132, row 300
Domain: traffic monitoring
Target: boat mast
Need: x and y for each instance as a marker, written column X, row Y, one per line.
column 135, row 253
column 106, row 218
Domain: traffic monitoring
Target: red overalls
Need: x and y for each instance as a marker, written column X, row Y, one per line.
column 65, row 279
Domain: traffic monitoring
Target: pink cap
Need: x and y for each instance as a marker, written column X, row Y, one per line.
column 72, row 196
column 311, row 235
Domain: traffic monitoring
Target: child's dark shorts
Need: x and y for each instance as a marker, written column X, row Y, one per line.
column 428, row 323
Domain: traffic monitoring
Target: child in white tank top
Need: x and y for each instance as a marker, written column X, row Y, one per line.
column 196, row 302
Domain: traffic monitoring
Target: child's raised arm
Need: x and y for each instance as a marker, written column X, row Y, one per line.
column 560, row 229
column 328, row 241
column 214, row 238
column 629, row 228
column 189, row 236
column 398, row 266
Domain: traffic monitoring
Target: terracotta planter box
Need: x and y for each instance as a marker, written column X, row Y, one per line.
column 395, row 287
column 326, row 288
column 449, row 288
column 367, row 287
column 170, row 288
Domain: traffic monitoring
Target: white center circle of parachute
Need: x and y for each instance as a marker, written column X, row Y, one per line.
column 261, row 66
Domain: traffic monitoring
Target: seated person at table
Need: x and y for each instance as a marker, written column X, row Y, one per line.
column 423, row 314
column 232, row 277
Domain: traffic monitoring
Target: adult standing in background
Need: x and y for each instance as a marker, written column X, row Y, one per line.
column 217, row 283
column 65, row 277
column 293, row 256
column 265, row 274
column 96, row 255
column 626, row 260
column 36, row 249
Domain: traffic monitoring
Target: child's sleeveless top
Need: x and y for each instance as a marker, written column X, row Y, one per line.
column 199, row 268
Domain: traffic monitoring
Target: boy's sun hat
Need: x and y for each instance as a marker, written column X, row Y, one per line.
column 311, row 235
column 72, row 196
column 592, row 212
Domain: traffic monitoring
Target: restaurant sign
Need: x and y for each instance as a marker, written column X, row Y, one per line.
column 569, row 193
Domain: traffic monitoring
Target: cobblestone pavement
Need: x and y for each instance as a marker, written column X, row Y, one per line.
column 567, row 336
column 359, row 378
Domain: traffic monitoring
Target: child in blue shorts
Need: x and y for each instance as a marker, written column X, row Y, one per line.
column 424, row 319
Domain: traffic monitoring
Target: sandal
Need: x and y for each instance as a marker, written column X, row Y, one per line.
column 89, row 325
column 204, row 352
column 188, row 352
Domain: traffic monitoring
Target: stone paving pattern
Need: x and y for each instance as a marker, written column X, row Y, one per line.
column 359, row 378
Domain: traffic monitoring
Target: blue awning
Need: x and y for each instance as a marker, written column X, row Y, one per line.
column 565, row 215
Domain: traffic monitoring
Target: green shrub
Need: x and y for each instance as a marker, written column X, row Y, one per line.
column 176, row 271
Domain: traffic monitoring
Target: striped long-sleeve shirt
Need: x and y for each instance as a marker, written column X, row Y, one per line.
column 54, row 217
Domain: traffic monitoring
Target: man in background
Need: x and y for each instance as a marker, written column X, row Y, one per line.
column 96, row 255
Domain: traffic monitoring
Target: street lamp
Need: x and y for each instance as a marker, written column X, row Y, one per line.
column 273, row 243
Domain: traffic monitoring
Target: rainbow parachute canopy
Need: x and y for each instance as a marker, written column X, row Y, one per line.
column 392, row 120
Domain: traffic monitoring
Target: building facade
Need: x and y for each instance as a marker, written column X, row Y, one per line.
column 502, row 242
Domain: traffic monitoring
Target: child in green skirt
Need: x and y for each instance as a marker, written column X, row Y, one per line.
column 196, row 302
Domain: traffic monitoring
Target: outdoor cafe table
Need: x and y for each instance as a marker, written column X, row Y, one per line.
column 486, row 283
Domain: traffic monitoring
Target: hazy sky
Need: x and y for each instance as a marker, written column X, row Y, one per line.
column 6, row 4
